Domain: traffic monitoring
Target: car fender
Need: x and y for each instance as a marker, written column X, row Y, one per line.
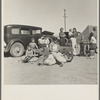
column 11, row 43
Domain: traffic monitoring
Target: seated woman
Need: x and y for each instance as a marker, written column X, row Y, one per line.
column 43, row 41
column 54, row 48
column 40, row 42
column 44, row 55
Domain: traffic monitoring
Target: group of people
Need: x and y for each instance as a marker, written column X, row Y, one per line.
column 72, row 34
column 92, row 45
column 49, row 49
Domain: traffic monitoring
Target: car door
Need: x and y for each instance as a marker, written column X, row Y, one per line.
column 26, row 36
column 36, row 34
column 13, row 33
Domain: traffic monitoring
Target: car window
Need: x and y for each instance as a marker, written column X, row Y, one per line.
column 36, row 31
column 15, row 30
column 25, row 31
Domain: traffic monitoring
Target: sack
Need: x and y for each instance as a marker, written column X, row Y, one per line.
column 58, row 56
column 50, row 60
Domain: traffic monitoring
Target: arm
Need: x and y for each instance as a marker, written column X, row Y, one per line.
column 36, row 46
column 61, row 35
column 50, row 47
column 72, row 35
column 93, row 40
column 26, row 54
column 48, row 41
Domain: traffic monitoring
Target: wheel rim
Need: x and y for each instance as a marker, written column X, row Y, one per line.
column 69, row 56
column 17, row 50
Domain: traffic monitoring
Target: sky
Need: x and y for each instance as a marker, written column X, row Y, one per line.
column 48, row 14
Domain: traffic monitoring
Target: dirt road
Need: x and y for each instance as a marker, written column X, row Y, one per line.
column 79, row 71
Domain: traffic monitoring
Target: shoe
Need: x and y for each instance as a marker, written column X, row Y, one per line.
column 74, row 54
column 92, row 57
column 61, row 65
column 40, row 64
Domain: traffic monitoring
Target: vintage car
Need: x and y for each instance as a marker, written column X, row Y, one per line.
column 18, row 37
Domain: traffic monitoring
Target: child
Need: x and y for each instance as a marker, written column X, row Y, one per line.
column 33, row 46
column 28, row 55
column 93, row 46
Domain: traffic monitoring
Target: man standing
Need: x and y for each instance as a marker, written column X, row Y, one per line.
column 74, row 44
column 73, row 39
column 62, row 37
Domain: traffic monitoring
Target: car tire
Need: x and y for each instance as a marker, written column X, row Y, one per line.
column 50, row 39
column 17, row 49
column 69, row 56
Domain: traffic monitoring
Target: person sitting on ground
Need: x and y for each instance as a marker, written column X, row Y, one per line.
column 28, row 54
column 33, row 46
column 46, row 41
column 40, row 42
column 45, row 54
column 54, row 48
column 43, row 41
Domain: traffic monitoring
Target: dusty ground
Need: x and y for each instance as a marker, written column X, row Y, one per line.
column 79, row 71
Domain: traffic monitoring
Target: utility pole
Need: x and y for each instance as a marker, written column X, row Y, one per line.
column 65, row 19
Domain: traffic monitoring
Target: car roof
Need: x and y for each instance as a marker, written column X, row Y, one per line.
column 23, row 26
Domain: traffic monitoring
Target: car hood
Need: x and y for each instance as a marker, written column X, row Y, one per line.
column 47, row 33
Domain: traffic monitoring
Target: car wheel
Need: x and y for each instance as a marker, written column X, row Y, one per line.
column 69, row 56
column 17, row 49
column 50, row 39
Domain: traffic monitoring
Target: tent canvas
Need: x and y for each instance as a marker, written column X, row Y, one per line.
column 85, row 34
